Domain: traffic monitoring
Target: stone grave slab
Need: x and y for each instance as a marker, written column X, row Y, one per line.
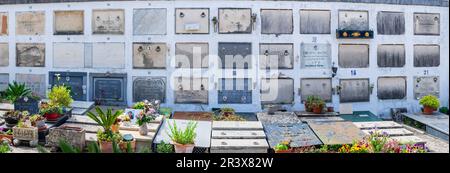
column 76, row 80
column 300, row 135
column 408, row 139
column 427, row 55
column 426, row 23
column 152, row 127
column 360, row 116
column 81, row 119
column 237, row 125
column 68, row 22
column 235, row 55
column 315, row 55
column 278, row 118
column 391, row 87
column 30, row 23
column 197, row 116
column 391, row 55
column 353, row 55
column 69, row 55
column 239, row 146
column 149, row 55
column 354, row 90
column 108, row 55
column 150, row 21
column 276, row 56
column 108, row 21
column 149, row 88
column 108, row 89
column 191, row 55
column 315, row 21
column 30, row 55
column 235, row 91
column 238, row 134
column 436, row 124
column 235, row 20
column 36, row 82
column 331, row 133
column 4, row 81
column 191, row 90
column 390, row 23
column 4, row 54
column 321, row 119
column 90, row 128
column 312, row 114
column 354, row 20
column 377, row 124
column 3, row 23
column 276, row 21
column 277, row 91
column 203, row 130
column 390, row 132
column 192, row 20
column 426, row 85
column 6, row 106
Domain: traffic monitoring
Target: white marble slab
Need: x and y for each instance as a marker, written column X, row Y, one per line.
column 232, row 134
column 239, row 146
column 377, row 124
column 203, row 131
column 237, row 125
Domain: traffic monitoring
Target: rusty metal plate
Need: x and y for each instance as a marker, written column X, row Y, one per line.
column 192, row 20
column 36, row 82
column 108, row 55
column 30, row 55
column 235, row 91
column 354, row 90
column 334, row 133
column 4, row 81
column 150, row 21
column 354, row 20
column 300, row 135
column 3, row 24
column 68, row 55
column 235, row 55
column 30, row 23
column 196, row 116
column 427, row 23
column 276, row 56
column 4, row 54
column 235, row 20
column 353, row 55
column 390, row 55
column 191, row 90
column 191, row 55
column 149, row 88
column 68, row 23
column 276, row 21
column 315, row 21
column 426, row 55
column 149, row 55
column 426, row 85
column 108, row 21
column 391, row 88
column 277, row 91
column 391, row 23
column 316, row 87
column 315, row 55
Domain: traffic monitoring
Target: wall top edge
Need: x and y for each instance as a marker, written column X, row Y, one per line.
column 440, row 3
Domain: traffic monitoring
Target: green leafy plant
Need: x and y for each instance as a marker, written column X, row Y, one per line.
column 317, row 102
column 50, row 110
column 282, row 146
column 430, row 101
column 16, row 91
column 106, row 120
column 164, row 148
column 443, row 110
column 60, row 96
column 4, row 147
column 139, row 105
column 183, row 137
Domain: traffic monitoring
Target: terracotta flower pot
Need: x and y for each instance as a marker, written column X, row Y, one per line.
column 317, row 110
column 123, row 146
column 330, row 109
column 5, row 136
column 106, row 146
column 428, row 110
column 187, row 148
column 52, row 116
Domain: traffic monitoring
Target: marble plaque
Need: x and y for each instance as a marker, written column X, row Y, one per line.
column 391, row 23
column 353, row 55
column 276, row 21
column 235, row 55
column 354, row 20
column 354, row 90
column 4, row 81
column 391, row 88
column 315, row 55
column 391, row 55
column 235, row 91
column 192, row 20
column 108, row 89
column 426, row 23
column 108, row 55
column 278, row 118
column 4, row 54
column 235, row 20
column 277, row 91
column 315, row 21
column 426, row 55
column 191, row 55
column 150, row 21
column 27, row 104
column 149, row 55
column 76, row 80
column 300, row 135
column 68, row 55
column 316, row 87
column 30, row 23
column 68, row 23
column 191, row 90
column 426, row 85
column 3, row 24
column 276, row 56
column 334, row 133
column 30, row 55
column 108, row 21
column 36, row 82
column 203, row 130
column 149, row 88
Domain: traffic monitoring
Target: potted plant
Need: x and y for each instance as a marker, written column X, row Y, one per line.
column 430, row 104
column 38, row 121
column 106, row 120
column 60, row 96
column 164, row 148
column 138, row 105
column 317, row 105
column 15, row 91
column 24, row 131
column 183, row 140
column 283, row 147
column 226, row 112
column 13, row 117
column 309, row 100
column 50, row 112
